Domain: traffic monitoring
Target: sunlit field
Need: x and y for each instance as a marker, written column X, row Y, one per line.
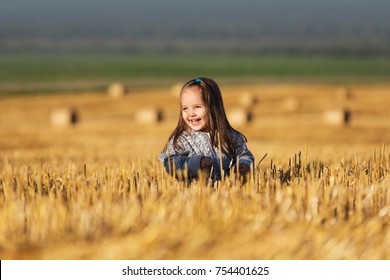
column 94, row 188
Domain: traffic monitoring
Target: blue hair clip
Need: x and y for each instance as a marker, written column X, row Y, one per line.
column 198, row 81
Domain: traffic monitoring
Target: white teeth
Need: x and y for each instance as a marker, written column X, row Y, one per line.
column 195, row 122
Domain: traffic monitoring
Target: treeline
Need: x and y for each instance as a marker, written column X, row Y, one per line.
column 288, row 38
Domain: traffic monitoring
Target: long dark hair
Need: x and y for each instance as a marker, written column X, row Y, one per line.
column 218, row 123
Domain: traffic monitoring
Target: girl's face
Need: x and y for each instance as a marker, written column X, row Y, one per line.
column 193, row 109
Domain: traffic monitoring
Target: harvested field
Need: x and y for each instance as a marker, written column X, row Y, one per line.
column 94, row 189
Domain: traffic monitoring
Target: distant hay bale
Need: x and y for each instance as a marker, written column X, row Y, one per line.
column 291, row 105
column 247, row 99
column 149, row 116
column 337, row 117
column 344, row 93
column 175, row 89
column 116, row 90
column 64, row 117
column 239, row 116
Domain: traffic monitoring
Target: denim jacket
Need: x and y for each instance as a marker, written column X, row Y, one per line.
column 193, row 146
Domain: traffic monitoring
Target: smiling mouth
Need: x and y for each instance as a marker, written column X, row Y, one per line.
column 195, row 121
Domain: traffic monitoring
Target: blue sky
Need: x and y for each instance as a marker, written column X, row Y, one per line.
column 185, row 10
column 363, row 25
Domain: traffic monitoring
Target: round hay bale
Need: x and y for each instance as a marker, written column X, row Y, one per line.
column 337, row 117
column 291, row 105
column 116, row 90
column 175, row 90
column 247, row 99
column 149, row 116
column 239, row 116
column 344, row 93
column 64, row 117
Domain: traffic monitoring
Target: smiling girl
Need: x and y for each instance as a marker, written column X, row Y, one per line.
column 203, row 139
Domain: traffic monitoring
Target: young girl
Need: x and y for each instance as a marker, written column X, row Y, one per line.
column 201, row 133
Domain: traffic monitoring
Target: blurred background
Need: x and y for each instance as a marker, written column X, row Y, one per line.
column 46, row 44
column 286, row 69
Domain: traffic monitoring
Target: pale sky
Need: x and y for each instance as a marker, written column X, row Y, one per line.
column 211, row 10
